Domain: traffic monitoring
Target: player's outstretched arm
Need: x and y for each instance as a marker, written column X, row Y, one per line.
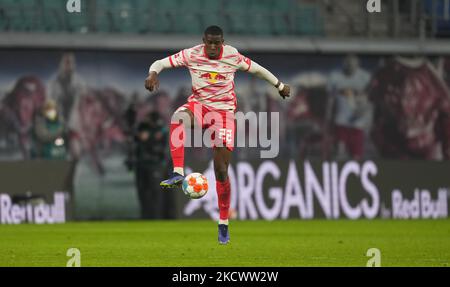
column 263, row 73
column 152, row 81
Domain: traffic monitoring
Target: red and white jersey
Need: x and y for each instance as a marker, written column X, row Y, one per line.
column 212, row 79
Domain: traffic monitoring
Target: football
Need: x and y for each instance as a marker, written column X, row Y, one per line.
column 195, row 185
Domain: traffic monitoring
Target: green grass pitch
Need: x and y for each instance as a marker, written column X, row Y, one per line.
column 253, row 243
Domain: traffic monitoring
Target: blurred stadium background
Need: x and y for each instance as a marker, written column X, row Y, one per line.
column 348, row 18
column 366, row 133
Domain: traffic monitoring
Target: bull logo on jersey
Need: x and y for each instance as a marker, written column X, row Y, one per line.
column 212, row 77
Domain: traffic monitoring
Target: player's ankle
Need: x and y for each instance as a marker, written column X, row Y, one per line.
column 223, row 221
column 179, row 170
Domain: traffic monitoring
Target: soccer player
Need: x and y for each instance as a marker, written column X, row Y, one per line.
column 212, row 66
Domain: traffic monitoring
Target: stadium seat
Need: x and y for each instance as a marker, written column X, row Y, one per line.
column 30, row 16
column 255, row 17
column 165, row 13
column 212, row 13
column 18, row 15
column 3, row 20
column 307, row 21
column 9, row 11
column 144, row 16
column 261, row 17
column 53, row 13
column 442, row 25
column 188, row 20
column 237, row 17
column 125, row 16
column 104, row 21
column 119, row 16
column 79, row 22
column 282, row 17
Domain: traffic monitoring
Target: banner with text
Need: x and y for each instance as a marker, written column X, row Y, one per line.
column 35, row 192
column 349, row 190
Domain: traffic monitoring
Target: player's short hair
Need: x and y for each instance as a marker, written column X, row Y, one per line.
column 214, row 30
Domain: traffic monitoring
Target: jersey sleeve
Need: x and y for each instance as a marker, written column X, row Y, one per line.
column 244, row 63
column 179, row 59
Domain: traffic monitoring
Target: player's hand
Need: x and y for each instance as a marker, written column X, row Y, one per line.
column 285, row 93
column 152, row 82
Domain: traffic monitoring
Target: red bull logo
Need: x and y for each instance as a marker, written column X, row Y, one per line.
column 206, row 76
column 213, row 77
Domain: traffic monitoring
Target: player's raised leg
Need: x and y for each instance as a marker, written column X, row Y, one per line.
column 222, row 156
column 182, row 119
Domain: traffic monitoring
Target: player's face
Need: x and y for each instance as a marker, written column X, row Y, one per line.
column 213, row 45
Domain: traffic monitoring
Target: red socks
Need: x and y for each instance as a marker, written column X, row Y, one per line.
column 177, row 153
column 223, row 194
column 177, row 144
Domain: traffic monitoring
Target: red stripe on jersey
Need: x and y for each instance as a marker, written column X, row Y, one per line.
column 227, row 95
column 184, row 59
column 207, row 93
column 234, row 100
column 221, row 53
column 210, row 88
column 249, row 65
column 171, row 63
column 225, row 100
column 204, row 52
